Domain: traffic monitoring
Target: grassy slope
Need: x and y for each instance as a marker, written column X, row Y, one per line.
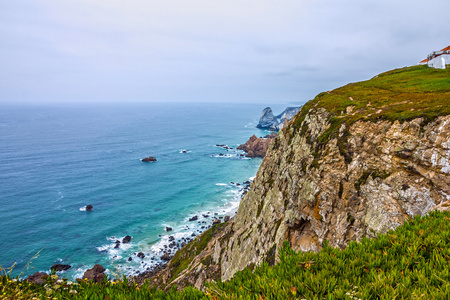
column 401, row 94
column 410, row 263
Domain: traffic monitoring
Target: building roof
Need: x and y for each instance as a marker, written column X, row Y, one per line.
column 426, row 59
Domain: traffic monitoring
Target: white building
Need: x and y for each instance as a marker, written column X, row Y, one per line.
column 438, row 59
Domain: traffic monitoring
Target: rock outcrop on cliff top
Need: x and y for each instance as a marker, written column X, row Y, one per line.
column 354, row 162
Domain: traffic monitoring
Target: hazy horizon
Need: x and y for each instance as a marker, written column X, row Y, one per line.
column 99, row 51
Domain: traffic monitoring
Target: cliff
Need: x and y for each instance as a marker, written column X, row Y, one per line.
column 354, row 162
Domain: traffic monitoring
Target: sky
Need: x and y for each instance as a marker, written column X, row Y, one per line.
column 254, row 51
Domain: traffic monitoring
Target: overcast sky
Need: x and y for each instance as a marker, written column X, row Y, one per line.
column 205, row 50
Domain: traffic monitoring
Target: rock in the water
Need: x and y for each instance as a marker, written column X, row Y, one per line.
column 148, row 159
column 168, row 228
column 89, row 207
column 216, row 221
column 267, row 120
column 60, row 267
column 126, row 239
column 95, row 274
column 288, row 114
column 141, row 255
column 194, row 218
column 38, row 278
column 171, row 238
column 256, row 147
column 130, row 258
column 226, row 219
column 271, row 122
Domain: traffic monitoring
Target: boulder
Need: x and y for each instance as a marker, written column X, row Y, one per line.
column 126, row 239
column 38, row 278
column 256, row 147
column 60, row 267
column 168, row 228
column 95, row 274
column 141, row 255
column 148, row 159
column 171, row 238
column 226, row 219
column 166, row 257
column 89, row 207
column 216, row 221
column 194, row 218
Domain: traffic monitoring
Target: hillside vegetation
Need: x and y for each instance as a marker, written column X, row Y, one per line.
column 401, row 94
column 412, row 262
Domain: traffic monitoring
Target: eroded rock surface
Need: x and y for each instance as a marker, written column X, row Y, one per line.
column 366, row 180
column 96, row 274
column 257, row 147
column 369, row 179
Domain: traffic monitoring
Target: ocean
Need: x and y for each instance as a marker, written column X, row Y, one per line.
column 56, row 159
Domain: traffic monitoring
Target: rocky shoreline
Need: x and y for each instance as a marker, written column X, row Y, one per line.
column 254, row 147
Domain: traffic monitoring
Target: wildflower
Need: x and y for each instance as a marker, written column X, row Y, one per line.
column 59, row 281
column 69, row 282
column 14, row 280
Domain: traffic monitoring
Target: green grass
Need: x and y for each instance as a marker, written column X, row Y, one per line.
column 401, row 94
column 412, row 262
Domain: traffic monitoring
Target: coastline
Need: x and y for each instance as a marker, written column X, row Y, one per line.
column 98, row 164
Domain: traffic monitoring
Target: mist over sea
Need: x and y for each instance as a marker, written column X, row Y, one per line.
column 55, row 160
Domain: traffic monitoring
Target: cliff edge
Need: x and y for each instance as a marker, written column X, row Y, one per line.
column 353, row 162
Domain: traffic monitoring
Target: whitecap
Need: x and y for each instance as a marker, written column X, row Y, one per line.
column 221, row 184
column 83, row 208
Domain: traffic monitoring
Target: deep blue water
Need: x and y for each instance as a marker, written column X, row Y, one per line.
column 54, row 160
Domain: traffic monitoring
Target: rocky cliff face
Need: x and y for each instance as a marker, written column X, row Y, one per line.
column 354, row 162
column 384, row 173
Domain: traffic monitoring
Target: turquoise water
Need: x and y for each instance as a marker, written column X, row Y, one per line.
column 55, row 160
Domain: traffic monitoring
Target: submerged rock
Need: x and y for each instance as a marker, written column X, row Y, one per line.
column 148, row 159
column 89, row 207
column 126, row 239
